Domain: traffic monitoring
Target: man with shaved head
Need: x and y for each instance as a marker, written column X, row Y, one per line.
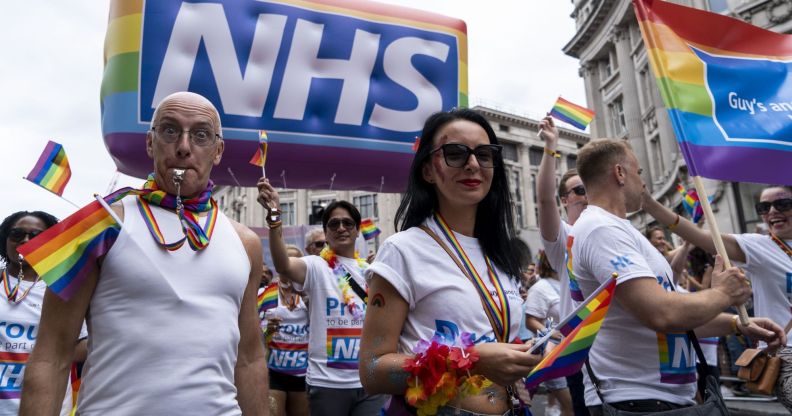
column 173, row 327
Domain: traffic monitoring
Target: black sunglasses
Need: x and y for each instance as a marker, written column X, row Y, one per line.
column 335, row 223
column 579, row 190
column 318, row 244
column 17, row 234
column 456, row 155
column 781, row 205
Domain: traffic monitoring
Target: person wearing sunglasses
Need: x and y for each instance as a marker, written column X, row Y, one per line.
column 766, row 259
column 334, row 282
column 20, row 308
column 430, row 281
column 554, row 230
column 314, row 241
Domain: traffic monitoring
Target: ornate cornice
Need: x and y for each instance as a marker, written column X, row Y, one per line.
column 588, row 30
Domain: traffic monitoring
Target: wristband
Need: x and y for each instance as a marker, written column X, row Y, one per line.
column 273, row 216
column 552, row 153
column 275, row 224
column 674, row 225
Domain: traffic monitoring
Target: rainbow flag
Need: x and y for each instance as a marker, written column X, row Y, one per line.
column 268, row 298
column 691, row 202
column 727, row 87
column 580, row 329
column 369, row 229
column 261, row 153
column 52, row 170
column 64, row 254
column 571, row 113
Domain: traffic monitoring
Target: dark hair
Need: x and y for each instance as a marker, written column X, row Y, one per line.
column 494, row 219
column 524, row 256
column 543, row 267
column 8, row 223
column 698, row 259
column 353, row 212
column 652, row 229
column 562, row 190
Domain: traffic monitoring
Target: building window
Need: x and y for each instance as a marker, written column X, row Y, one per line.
column 288, row 213
column 657, row 150
column 504, row 128
column 367, row 204
column 317, row 209
column 510, row 151
column 719, row 6
column 571, row 161
column 535, row 155
column 516, row 190
column 606, row 70
column 645, row 92
column 618, row 122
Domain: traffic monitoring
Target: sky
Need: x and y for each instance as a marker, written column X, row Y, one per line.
column 51, row 70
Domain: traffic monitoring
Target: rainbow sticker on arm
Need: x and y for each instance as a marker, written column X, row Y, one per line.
column 340, row 86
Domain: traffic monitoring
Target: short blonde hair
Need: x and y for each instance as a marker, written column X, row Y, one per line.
column 596, row 158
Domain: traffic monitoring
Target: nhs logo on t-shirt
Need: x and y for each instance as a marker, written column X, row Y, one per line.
column 12, row 368
column 343, row 345
column 677, row 359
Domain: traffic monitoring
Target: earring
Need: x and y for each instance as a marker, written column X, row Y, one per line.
column 621, row 183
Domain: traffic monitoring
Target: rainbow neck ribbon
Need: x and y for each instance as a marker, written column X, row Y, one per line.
column 343, row 275
column 11, row 294
column 198, row 237
column 497, row 310
column 782, row 245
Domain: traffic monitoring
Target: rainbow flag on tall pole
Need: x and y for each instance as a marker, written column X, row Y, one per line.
column 580, row 330
column 572, row 113
column 728, row 91
column 52, row 171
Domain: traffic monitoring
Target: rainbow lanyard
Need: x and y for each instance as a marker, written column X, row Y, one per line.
column 188, row 212
column 497, row 310
column 782, row 245
column 197, row 237
column 11, row 294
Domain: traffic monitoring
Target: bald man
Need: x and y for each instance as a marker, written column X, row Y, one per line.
column 173, row 328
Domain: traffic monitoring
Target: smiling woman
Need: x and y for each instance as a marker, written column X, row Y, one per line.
column 445, row 287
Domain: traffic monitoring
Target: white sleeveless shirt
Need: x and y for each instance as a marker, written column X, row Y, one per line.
column 164, row 325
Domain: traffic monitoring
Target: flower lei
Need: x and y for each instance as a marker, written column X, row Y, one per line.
column 343, row 276
column 440, row 372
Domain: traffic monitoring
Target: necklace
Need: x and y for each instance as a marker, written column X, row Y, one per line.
column 782, row 245
column 343, row 275
column 12, row 294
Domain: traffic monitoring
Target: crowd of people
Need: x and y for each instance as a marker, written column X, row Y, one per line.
column 442, row 319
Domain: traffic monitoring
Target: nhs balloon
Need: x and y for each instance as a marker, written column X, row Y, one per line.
column 341, row 87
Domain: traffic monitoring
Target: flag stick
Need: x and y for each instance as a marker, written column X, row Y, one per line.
column 574, row 313
column 113, row 181
column 108, row 209
column 716, row 235
column 231, row 172
column 53, row 193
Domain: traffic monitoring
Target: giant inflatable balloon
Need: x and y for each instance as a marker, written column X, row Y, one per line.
column 341, row 87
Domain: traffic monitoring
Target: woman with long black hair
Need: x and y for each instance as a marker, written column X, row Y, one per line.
column 443, row 298
column 20, row 307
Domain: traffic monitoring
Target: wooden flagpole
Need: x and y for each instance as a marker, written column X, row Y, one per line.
column 716, row 235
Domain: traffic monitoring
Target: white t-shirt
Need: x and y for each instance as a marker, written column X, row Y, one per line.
column 334, row 339
column 18, row 332
column 632, row 361
column 543, row 299
column 556, row 252
column 770, row 272
column 441, row 299
column 287, row 351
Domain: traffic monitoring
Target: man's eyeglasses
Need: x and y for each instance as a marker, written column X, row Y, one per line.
column 18, row 234
column 335, row 223
column 781, row 205
column 579, row 190
column 199, row 137
column 456, row 155
column 318, row 244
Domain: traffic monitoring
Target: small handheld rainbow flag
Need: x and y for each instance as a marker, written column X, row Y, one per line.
column 65, row 253
column 52, row 170
column 369, row 229
column 580, row 329
column 261, row 153
column 573, row 114
column 268, row 298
